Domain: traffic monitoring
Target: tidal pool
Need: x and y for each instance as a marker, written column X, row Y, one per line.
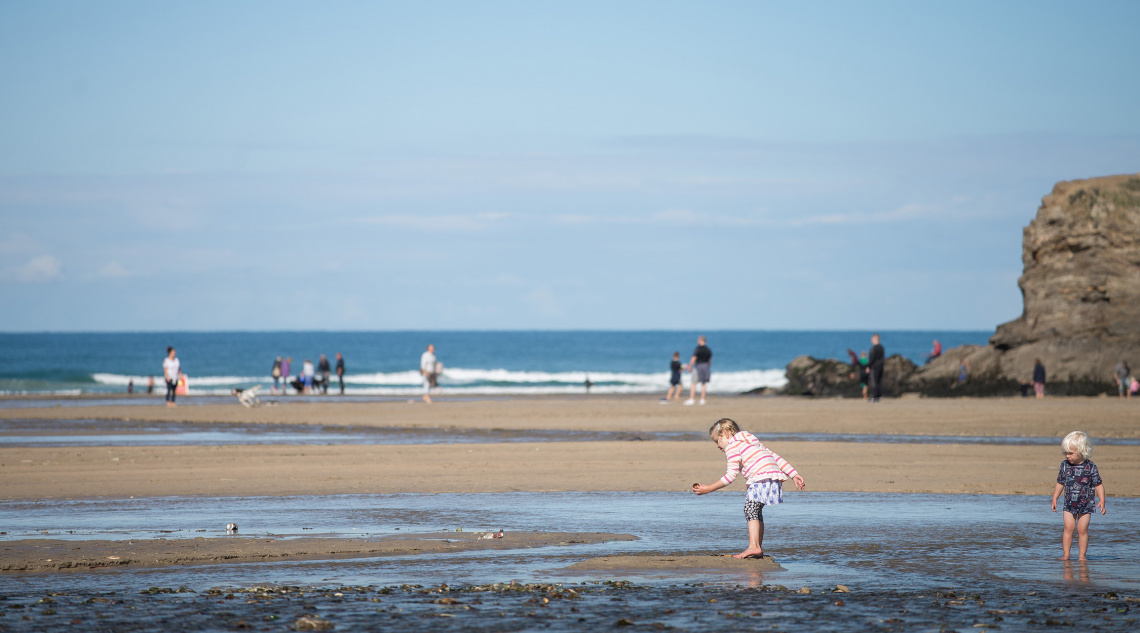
column 911, row 562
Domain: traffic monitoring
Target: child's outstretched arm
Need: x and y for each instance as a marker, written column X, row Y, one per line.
column 1057, row 490
column 1100, row 499
column 704, row 489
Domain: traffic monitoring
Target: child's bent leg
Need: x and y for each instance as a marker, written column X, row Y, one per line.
column 1067, row 535
column 1083, row 535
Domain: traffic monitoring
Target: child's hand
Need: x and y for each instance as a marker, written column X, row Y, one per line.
column 800, row 485
column 1100, row 504
column 1054, row 504
column 702, row 490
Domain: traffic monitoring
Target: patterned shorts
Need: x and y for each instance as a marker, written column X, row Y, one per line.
column 761, row 493
column 767, row 491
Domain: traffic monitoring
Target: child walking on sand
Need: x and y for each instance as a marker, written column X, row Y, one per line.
column 1079, row 479
column 675, row 368
column 765, row 472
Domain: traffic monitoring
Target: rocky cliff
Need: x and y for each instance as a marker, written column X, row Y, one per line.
column 1081, row 292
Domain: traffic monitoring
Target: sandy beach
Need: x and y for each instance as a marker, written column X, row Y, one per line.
column 124, row 471
column 1053, row 417
column 34, row 555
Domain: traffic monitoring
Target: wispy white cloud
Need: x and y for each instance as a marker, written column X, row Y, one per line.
column 761, row 218
column 448, row 222
column 901, row 214
column 39, row 269
column 114, row 269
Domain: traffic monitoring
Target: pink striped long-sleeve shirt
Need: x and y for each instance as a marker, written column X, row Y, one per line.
column 747, row 455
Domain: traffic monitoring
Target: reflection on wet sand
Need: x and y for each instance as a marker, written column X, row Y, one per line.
column 1082, row 570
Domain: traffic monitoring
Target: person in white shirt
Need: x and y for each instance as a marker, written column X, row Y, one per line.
column 307, row 373
column 171, row 370
column 427, row 370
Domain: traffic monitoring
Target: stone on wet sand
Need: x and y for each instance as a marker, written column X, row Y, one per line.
column 312, row 623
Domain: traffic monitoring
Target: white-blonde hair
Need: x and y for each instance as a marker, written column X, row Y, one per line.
column 723, row 426
column 1078, row 442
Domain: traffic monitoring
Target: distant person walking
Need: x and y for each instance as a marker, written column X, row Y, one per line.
column 1039, row 378
column 701, row 366
column 171, row 371
column 323, row 373
column 340, row 371
column 1124, row 379
column 286, row 367
column 675, row 387
column 150, row 384
column 875, row 362
column 276, row 373
column 427, row 370
column 307, row 374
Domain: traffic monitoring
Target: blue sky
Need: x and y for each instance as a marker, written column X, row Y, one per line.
column 521, row 165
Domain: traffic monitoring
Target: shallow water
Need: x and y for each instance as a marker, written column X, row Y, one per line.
column 85, row 432
column 891, row 541
column 899, row 554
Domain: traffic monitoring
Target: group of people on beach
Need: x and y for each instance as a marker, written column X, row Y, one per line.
column 1079, row 485
column 700, row 368
column 310, row 380
column 869, row 368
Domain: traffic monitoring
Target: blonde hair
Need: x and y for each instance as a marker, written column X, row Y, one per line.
column 723, row 426
column 1078, row 442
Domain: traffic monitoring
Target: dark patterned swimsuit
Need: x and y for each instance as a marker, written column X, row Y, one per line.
column 1080, row 482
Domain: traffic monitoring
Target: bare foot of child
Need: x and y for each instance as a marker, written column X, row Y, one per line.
column 1065, row 557
column 751, row 552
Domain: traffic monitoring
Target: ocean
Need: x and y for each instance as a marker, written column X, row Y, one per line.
column 385, row 364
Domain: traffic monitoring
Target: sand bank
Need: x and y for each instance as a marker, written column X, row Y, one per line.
column 32, row 555
column 675, row 562
column 250, row 470
column 1101, row 417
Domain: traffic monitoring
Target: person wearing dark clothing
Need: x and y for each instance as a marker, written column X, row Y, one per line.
column 701, row 367
column 340, row 371
column 1039, row 378
column 675, row 388
column 875, row 361
column 323, row 372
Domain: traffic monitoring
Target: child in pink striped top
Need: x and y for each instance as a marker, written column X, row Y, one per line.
column 764, row 470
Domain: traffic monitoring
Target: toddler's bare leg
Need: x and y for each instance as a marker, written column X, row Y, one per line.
column 1067, row 535
column 755, row 540
column 1083, row 534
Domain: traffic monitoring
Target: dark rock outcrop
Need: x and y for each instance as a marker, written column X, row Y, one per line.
column 1081, row 316
column 808, row 376
column 1081, row 291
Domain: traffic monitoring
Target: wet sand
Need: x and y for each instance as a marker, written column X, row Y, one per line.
column 250, row 470
column 35, row 555
column 675, row 563
column 1101, row 417
column 124, row 471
